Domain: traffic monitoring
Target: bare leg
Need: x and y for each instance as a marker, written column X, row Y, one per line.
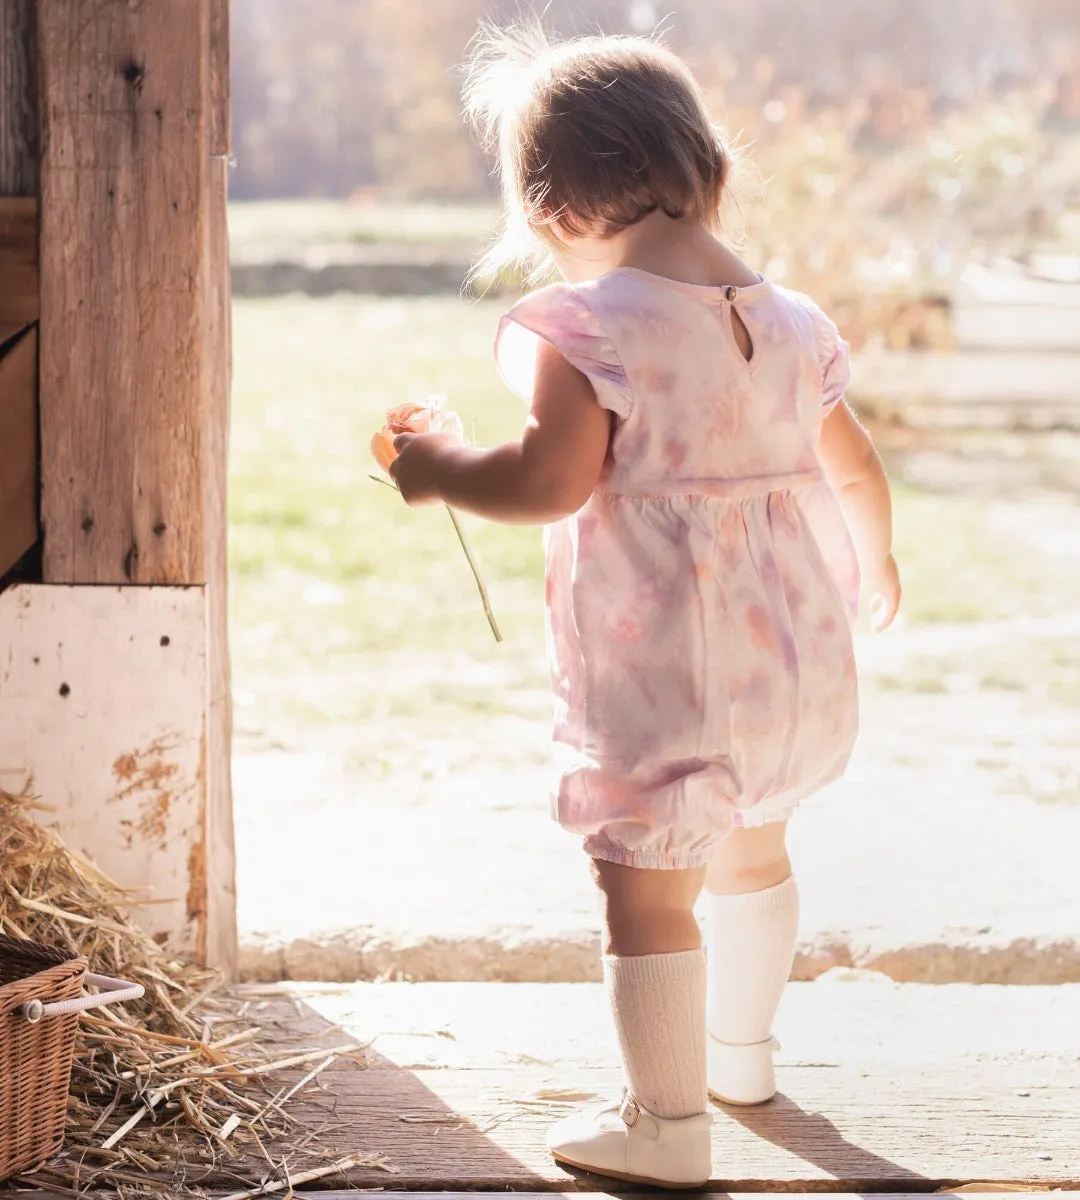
column 654, row 968
column 648, row 912
column 750, row 860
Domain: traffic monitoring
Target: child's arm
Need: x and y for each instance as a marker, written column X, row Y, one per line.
column 855, row 472
column 545, row 476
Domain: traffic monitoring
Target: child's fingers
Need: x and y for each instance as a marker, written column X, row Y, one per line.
column 878, row 621
column 883, row 610
column 402, row 440
column 382, row 448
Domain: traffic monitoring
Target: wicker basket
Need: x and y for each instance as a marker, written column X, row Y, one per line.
column 40, row 1001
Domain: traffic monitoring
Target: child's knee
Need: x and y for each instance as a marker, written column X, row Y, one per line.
column 750, row 860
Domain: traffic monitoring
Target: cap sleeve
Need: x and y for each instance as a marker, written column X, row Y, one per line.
column 560, row 316
column 833, row 354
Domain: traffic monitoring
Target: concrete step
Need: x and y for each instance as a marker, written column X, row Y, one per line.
column 917, row 869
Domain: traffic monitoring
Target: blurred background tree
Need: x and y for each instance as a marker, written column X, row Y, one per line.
column 332, row 97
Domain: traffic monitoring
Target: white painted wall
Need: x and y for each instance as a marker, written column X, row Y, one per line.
column 103, row 695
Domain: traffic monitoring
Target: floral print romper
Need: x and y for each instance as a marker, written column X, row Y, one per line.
column 700, row 605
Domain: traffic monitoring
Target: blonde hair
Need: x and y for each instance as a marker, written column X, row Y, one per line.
column 594, row 133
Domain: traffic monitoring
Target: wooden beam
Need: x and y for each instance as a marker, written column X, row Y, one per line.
column 124, row 184
column 18, row 450
column 218, row 100
column 221, row 931
column 18, row 99
column 18, row 260
column 135, row 355
column 604, row 1190
column 19, row 177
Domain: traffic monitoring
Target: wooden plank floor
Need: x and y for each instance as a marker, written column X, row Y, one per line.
column 884, row 1087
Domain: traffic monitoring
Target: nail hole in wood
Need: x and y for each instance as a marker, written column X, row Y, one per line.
column 134, row 75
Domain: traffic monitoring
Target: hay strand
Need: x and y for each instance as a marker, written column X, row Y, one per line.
column 159, row 1093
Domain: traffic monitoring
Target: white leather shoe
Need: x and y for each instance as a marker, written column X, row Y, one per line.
column 742, row 1075
column 625, row 1141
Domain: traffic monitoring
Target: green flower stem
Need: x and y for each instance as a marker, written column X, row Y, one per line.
column 468, row 558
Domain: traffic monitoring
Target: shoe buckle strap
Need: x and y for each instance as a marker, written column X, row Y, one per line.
column 631, row 1113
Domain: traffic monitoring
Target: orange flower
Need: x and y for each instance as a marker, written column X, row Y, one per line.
column 406, row 418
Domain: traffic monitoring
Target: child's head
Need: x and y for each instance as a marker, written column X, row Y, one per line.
column 592, row 135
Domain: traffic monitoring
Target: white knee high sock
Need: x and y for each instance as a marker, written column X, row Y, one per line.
column 751, row 948
column 658, row 1002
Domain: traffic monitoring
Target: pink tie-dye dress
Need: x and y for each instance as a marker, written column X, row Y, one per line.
column 699, row 606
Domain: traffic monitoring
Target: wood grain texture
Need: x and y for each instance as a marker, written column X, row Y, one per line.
column 102, row 704
column 972, row 1193
column 123, row 332
column 877, row 1092
column 220, row 114
column 910, row 1129
column 18, row 450
column 135, row 351
column 18, row 261
column 18, row 99
column 221, row 949
column 18, row 278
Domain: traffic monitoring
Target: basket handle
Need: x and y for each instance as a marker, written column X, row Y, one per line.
column 113, row 991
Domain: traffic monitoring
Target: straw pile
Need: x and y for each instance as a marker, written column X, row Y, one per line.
column 169, row 1090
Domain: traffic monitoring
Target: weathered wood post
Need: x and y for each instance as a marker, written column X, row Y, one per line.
column 115, row 699
column 18, row 283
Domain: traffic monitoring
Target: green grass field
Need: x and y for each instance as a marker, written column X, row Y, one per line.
column 349, row 608
column 262, row 227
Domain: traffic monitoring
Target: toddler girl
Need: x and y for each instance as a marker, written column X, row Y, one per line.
column 690, row 453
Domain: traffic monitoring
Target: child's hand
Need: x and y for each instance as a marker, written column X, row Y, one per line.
column 416, row 468
column 885, row 591
column 422, row 431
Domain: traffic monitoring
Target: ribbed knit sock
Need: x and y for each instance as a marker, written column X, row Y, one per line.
column 751, row 948
column 658, row 1002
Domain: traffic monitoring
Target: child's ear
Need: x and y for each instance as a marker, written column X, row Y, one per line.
column 558, row 230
